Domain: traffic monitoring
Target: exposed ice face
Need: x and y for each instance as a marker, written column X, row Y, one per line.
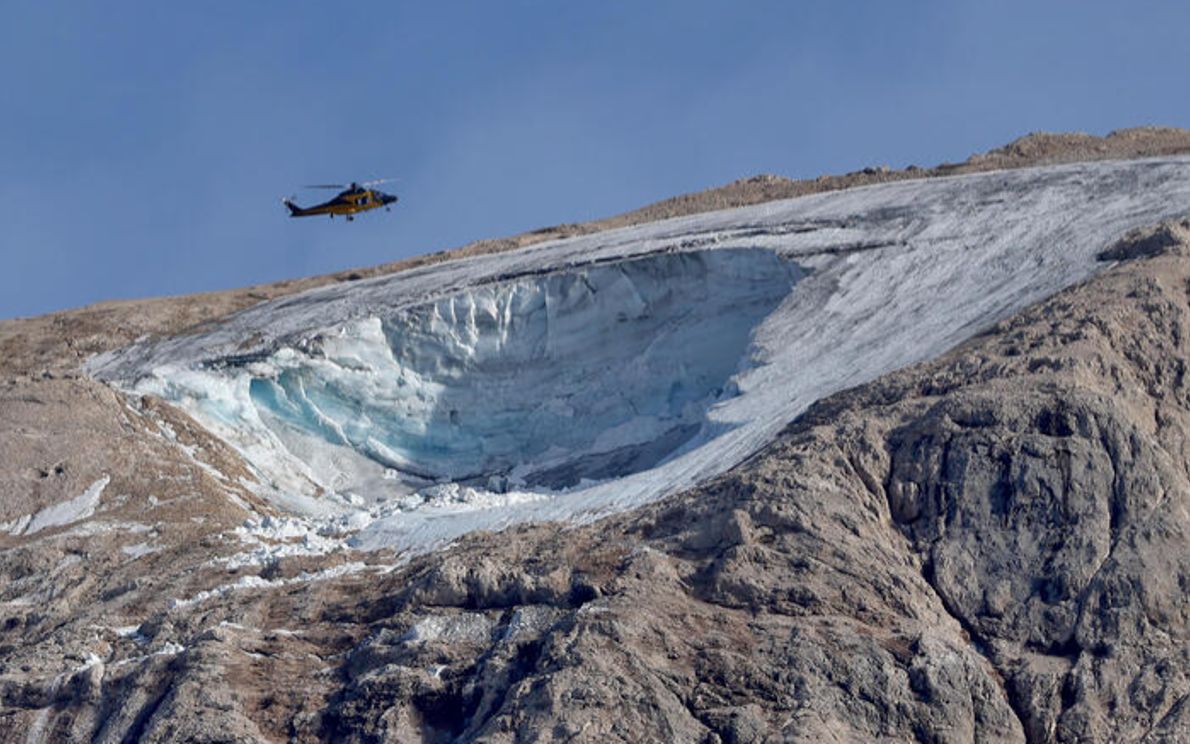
column 559, row 361
column 592, row 373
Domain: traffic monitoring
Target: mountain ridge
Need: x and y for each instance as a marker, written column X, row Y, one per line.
column 987, row 545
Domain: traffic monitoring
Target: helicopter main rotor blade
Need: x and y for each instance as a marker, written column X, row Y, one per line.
column 325, row 186
column 377, row 181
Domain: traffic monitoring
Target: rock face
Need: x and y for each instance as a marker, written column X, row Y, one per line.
column 992, row 546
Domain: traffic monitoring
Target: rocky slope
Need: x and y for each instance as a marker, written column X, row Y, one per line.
column 990, row 546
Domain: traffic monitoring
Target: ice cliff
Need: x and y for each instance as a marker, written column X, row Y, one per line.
column 590, row 373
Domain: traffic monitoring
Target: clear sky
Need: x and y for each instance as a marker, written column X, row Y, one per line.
column 143, row 146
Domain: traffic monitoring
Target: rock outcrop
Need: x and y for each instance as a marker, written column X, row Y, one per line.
column 990, row 547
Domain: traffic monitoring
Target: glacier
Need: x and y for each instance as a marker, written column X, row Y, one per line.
column 573, row 378
column 589, row 373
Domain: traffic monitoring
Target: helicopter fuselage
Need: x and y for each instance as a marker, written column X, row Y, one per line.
column 347, row 203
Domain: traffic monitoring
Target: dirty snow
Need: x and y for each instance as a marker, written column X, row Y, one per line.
column 257, row 582
column 58, row 515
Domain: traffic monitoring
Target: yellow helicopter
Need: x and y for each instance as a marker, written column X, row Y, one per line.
column 354, row 198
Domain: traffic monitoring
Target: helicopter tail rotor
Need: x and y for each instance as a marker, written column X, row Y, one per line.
column 294, row 209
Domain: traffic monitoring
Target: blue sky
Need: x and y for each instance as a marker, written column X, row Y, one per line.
column 143, row 146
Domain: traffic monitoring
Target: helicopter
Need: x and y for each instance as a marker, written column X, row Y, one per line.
column 354, row 198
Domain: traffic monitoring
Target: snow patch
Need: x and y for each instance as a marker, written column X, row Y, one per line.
column 275, row 538
column 104, row 526
column 169, row 648
column 58, row 515
column 139, row 550
column 257, row 582
column 463, row 628
column 16, row 526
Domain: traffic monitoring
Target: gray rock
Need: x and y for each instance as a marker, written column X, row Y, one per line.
column 989, row 547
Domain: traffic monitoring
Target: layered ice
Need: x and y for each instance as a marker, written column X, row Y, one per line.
column 581, row 376
column 590, row 373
